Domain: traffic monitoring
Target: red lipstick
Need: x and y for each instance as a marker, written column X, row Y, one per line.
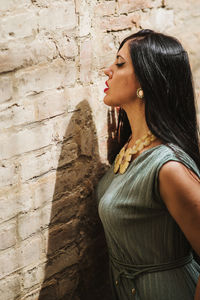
column 107, row 87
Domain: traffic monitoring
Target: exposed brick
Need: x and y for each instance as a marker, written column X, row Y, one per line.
column 62, row 235
column 68, row 284
column 65, row 258
column 65, row 208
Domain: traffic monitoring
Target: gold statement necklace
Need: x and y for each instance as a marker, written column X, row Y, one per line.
column 124, row 157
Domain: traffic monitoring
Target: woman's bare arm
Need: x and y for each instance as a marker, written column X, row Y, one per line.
column 180, row 190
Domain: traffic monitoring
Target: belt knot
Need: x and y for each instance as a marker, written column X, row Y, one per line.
column 133, row 271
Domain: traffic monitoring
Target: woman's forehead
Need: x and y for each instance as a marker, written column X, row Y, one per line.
column 124, row 52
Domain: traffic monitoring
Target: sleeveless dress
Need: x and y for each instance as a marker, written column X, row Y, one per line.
column 149, row 256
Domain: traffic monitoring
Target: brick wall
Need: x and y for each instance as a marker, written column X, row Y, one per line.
column 54, row 135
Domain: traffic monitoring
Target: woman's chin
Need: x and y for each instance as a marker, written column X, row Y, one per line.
column 106, row 101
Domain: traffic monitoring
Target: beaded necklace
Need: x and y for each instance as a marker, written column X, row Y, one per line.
column 124, row 157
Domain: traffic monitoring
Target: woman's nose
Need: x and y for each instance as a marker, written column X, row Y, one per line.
column 108, row 72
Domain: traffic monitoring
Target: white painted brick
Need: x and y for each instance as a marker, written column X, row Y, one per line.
column 8, row 235
column 58, row 16
column 105, row 9
column 30, row 251
column 10, row 287
column 158, row 19
column 49, row 104
column 67, row 47
column 34, row 108
column 104, row 51
column 6, row 88
column 33, row 295
column 34, row 164
column 9, row 262
column 8, row 204
column 75, row 95
column 85, row 61
column 21, row 25
column 43, row 190
column 24, row 198
column 8, row 174
column 17, row 114
column 16, row 54
column 25, row 140
column 85, row 24
column 125, row 6
column 45, row 76
column 14, row 200
column 33, row 276
column 13, row 4
column 33, row 222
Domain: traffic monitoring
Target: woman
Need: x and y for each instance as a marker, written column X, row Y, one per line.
column 149, row 200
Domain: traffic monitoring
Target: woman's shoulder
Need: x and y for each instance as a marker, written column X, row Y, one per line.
column 172, row 158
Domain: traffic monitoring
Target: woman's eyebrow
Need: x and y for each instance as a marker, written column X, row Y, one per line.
column 120, row 56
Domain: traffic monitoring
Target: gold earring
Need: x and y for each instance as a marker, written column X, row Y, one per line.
column 140, row 93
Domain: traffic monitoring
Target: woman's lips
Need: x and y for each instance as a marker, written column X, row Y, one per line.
column 107, row 87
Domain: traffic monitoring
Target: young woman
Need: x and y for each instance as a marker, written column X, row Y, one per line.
column 149, row 200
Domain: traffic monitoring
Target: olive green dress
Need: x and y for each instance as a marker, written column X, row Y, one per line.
column 149, row 256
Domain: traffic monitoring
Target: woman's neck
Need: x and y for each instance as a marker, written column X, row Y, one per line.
column 137, row 121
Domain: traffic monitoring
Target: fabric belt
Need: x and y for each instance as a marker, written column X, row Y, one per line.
column 132, row 271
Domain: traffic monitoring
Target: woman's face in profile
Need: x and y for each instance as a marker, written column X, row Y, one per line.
column 122, row 83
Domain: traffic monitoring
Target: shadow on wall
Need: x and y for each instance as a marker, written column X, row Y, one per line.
column 77, row 258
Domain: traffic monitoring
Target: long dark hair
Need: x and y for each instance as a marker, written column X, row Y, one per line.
column 162, row 67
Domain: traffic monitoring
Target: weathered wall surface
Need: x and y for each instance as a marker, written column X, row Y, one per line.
column 54, row 133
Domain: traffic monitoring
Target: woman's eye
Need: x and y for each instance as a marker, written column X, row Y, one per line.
column 119, row 65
